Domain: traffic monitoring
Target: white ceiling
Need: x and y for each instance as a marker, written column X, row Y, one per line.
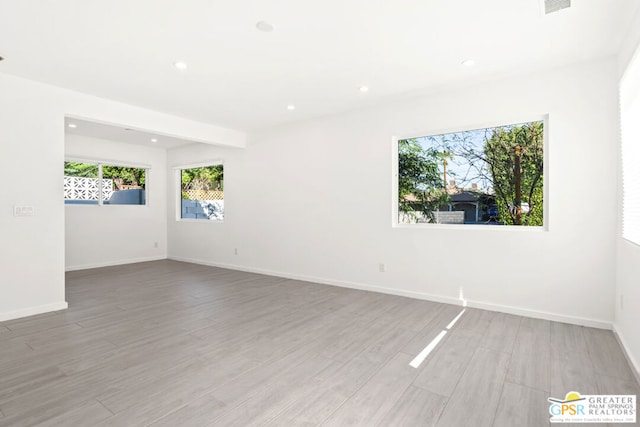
column 317, row 57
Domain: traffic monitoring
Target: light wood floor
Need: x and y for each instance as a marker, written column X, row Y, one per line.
column 175, row 344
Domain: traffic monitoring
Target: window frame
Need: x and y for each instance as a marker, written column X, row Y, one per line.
column 177, row 185
column 108, row 162
column 440, row 131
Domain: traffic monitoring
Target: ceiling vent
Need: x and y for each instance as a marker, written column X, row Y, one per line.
column 551, row 6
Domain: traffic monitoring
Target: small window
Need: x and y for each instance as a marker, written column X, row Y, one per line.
column 103, row 184
column 202, row 193
column 492, row 176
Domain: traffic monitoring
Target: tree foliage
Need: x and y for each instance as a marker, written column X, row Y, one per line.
column 125, row 175
column 204, row 178
column 83, row 170
column 500, row 151
column 420, row 184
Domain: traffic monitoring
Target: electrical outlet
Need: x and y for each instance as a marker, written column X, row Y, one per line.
column 235, row 251
column 23, row 211
column 621, row 302
column 381, row 267
column 155, row 244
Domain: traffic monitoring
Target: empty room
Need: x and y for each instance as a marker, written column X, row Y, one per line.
column 291, row 213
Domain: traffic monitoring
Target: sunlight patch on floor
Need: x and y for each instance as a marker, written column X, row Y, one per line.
column 417, row 361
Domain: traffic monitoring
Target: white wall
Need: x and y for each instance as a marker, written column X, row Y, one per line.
column 627, row 314
column 32, row 142
column 97, row 236
column 313, row 200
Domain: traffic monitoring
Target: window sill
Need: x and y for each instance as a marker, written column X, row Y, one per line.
column 474, row 227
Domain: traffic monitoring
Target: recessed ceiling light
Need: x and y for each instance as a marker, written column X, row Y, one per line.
column 469, row 63
column 364, row 89
column 180, row 65
column 264, row 26
column 154, row 140
column 291, row 107
column 72, row 125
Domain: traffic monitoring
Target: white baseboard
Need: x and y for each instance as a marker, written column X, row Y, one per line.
column 16, row 314
column 324, row 281
column 635, row 367
column 113, row 263
column 544, row 315
column 574, row 320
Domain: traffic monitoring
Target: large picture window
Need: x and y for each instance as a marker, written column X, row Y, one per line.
column 87, row 183
column 202, row 192
column 492, row 176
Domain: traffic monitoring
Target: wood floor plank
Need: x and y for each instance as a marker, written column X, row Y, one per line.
column 12, row 351
column 261, row 377
column 39, row 325
column 333, row 386
column 442, row 370
column 37, row 412
column 567, row 374
column 327, row 392
column 59, row 337
column 475, row 320
column 567, row 338
column 416, row 407
column 80, row 313
column 607, row 357
column 369, row 404
column 153, row 401
column 500, row 335
column 199, row 413
column 53, row 357
column 89, row 413
column 440, row 319
column 386, row 344
column 35, row 318
column 477, row 394
column 613, row 385
column 90, row 384
column 265, row 403
column 259, row 401
column 531, row 358
column 522, row 406
column 411, row 314
column 201, row 373
column 359, row 336
column 121, row 358
column 17, row 382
